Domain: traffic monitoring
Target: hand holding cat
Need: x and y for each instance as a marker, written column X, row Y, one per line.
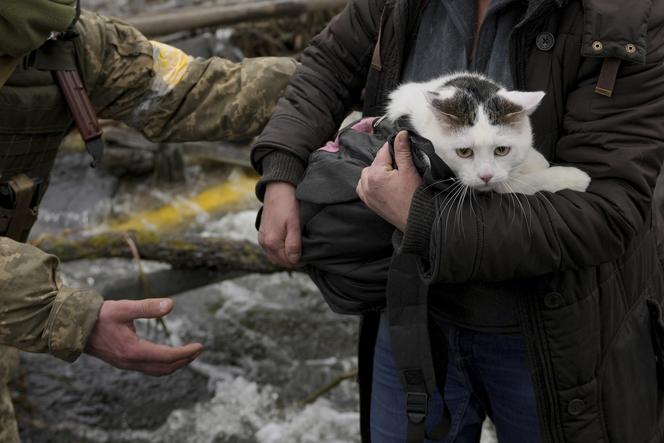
column 388, row 191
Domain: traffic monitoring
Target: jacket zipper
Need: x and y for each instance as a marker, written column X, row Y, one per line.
column 551, row 432
column 544, row 388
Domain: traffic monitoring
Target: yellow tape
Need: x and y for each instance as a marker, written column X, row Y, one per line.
column 212, row 200
column 170, row 63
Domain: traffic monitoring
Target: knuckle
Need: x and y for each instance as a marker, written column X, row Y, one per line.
column 271, row 241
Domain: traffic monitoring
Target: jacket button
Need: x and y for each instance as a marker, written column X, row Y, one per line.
column 553, row 300
column 630, row 48
column 545, row 41
column 576, row 406
column 598, row 46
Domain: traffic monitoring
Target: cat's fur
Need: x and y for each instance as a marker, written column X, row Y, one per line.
column 468, row 111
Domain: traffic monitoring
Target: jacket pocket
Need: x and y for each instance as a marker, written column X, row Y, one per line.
column 657, row 330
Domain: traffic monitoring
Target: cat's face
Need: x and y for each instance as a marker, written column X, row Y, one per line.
column 481, row 130
column 482, row 142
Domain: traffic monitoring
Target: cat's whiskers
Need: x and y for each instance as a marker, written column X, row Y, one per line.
column 452, row 179
column 529, row 215
column 448, row 202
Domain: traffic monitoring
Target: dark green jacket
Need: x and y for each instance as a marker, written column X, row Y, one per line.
column 586, row 264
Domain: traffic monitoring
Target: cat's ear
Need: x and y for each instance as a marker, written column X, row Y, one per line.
column 438, row 100
column 527, row 101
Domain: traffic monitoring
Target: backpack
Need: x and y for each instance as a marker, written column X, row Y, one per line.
column 352, row 255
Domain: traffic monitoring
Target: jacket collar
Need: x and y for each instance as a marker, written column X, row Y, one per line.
column 616, row 28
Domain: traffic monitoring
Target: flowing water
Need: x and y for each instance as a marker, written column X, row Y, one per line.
column 271, row 343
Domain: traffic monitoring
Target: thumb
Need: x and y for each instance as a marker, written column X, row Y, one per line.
column 402, row 154
column 148, row 308
column 293, row 243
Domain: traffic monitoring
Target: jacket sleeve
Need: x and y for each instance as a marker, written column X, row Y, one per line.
column 170, row 96
column 38, row 313
column 324, row 88
column 618, row 141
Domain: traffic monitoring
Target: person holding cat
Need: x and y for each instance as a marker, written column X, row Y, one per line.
column 551, row 302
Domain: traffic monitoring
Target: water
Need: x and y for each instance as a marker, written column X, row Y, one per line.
column 270, row 342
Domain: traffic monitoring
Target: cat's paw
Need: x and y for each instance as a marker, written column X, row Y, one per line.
column 569, row 178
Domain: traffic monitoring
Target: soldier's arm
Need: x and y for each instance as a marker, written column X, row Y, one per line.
column 169, row 95
column 38, row 313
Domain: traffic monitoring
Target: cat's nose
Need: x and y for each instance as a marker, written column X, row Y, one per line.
column 486, row 178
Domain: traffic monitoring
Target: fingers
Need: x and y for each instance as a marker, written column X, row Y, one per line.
column 126, row 310
column 275, row 248
column 383, row 158
column 145, row 351
column 159, row 370
column 362, row 184
column 402, row 153
column 159, row 360
column 293, row 243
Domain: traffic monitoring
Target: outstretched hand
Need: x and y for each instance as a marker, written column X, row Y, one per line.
column 114, row 339
column 388, row 191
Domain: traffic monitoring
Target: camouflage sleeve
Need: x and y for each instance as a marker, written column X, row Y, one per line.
column 38, row 313
column 169, row 95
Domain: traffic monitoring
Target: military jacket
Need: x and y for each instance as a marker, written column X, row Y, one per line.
column 161, row 91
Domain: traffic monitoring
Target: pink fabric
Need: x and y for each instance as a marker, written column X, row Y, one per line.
column 364, row 125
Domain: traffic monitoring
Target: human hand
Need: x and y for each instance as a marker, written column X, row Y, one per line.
column 388, row 191
column 114, row 339
column 279, row 233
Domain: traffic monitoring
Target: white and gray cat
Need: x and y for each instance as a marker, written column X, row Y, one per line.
column 483, row 132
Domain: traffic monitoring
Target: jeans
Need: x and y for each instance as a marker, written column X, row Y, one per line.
column 487, row 375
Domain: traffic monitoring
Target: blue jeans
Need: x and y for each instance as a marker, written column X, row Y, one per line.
column 487, row 375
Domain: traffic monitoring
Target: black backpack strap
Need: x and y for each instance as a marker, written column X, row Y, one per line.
column 408, row 319
column 365, row 357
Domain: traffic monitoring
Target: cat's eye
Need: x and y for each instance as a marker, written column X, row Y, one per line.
column 464, row 152
column 501, row 151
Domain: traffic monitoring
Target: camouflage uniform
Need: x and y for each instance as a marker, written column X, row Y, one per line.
column 150, row 86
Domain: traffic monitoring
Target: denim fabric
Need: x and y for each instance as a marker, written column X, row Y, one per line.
column 487, row 375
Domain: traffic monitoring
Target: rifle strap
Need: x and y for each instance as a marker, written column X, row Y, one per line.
column 83, row 112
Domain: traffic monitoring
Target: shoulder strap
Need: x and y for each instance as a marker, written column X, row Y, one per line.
column 82, row 111
column 408, row 319
column 365, row 357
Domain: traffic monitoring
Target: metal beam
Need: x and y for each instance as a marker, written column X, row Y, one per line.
column 184, row 19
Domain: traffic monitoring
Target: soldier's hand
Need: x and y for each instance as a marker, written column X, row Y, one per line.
column 114, row 339
column 279, row 233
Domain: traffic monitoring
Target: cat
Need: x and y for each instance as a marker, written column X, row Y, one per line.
column 483, row 132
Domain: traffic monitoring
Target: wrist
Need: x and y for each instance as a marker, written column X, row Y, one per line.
column 279, row 167
column 277, row 190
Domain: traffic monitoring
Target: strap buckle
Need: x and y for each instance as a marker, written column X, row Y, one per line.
column 417, row 404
